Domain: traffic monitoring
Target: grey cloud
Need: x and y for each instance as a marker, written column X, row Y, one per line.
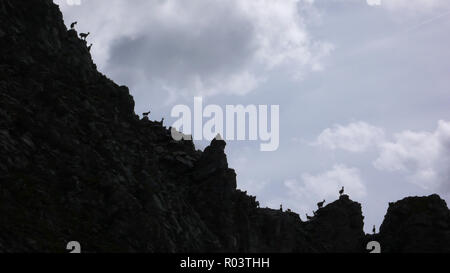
column 184, row 54
column 199, row 47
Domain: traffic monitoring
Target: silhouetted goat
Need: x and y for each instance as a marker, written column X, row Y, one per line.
column 84, row 35
column 320, row 204
column 341, row 192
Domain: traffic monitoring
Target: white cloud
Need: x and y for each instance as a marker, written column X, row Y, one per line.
column 281, row 34
column 423, row 156
column 354, row 137
column 305, row 193
column 328, row 184
column 198, row 47
column 374, row 2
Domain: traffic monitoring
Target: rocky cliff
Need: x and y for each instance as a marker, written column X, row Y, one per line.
column 77, row 164
column 416, row 224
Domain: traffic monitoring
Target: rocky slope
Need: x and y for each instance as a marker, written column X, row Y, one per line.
column 76, row 163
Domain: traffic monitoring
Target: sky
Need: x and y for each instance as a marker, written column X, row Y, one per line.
column 363, row 87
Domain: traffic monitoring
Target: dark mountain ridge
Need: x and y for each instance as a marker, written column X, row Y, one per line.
column 77, row 164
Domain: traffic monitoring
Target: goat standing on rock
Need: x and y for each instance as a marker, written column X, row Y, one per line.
column 320, row 204
column 341, row 192
column 72, row 26
column 84, row 35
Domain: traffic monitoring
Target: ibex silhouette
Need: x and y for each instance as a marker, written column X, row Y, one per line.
column 320, row 204
column 84, row 35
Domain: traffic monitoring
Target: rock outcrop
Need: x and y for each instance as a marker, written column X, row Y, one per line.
column 416, row 224
column 77, row 164
column 338, row 227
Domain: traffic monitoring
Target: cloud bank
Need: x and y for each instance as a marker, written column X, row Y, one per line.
column 354, row 137
column 423, row 157
column 200, row 47
column 326, row 185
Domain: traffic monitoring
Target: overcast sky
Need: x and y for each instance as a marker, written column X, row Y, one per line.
column 363, row 87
